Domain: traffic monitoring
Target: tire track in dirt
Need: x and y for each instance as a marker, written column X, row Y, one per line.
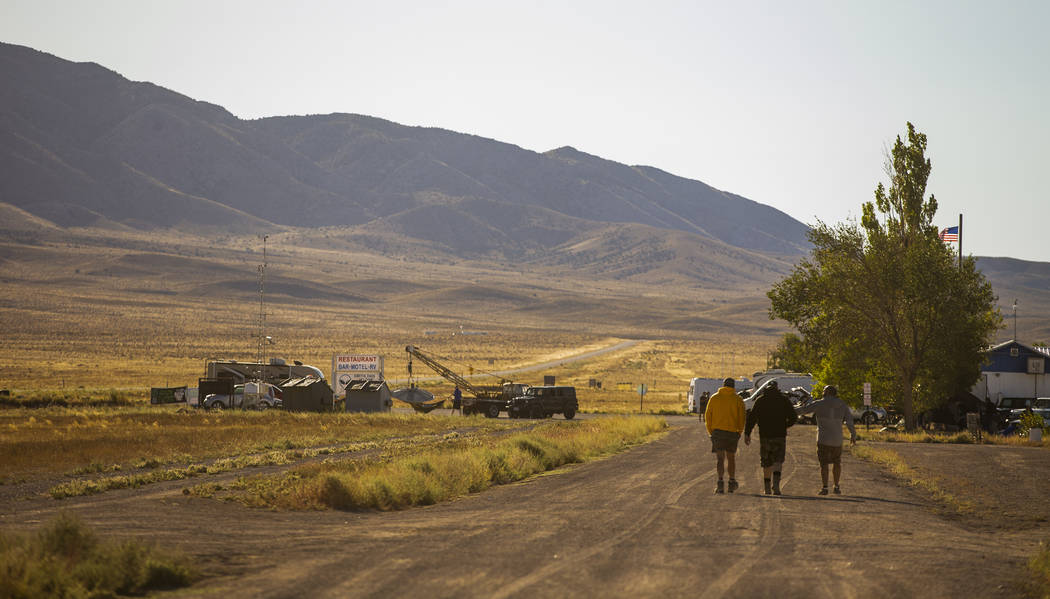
column 769, row 532
column 656, row 510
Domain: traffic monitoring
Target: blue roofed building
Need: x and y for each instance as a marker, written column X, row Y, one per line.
column 1015, row 372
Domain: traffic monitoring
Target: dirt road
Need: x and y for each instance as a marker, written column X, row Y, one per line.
column 643, row 523
column 534, row 367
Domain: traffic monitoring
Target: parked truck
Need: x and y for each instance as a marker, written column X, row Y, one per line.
column 489, row 400
column 544, row 402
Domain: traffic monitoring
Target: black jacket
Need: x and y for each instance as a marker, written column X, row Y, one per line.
column 772, row 412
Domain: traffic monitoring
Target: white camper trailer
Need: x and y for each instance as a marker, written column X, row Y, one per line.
column 698, row 386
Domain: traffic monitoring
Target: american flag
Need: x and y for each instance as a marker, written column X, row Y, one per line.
column 950, row 234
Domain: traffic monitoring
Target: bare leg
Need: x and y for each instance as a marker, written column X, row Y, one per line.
column 731, row 463
column 824, row 474
column 776, row 468
column 837, row 471
column 721, row 464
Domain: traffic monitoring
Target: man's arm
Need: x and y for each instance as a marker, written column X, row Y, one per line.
column 849, row 424
column 810, row 407
column 792, row 417
column 751, row 420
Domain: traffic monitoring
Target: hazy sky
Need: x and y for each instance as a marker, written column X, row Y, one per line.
column 791, row 104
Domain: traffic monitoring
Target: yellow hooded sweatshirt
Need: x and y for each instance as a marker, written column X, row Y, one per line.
column 725, row 411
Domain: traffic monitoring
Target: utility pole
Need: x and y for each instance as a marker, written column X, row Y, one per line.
column 1015, row 320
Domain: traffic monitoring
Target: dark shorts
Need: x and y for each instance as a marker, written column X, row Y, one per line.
column 771, row 451
column 724, row 441
column 829, row 454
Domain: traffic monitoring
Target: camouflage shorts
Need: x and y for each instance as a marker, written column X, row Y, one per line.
column 771, row 451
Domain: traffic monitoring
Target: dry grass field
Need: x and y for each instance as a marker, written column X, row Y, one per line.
column 96, row 313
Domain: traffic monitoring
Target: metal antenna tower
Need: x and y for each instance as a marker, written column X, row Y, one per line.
column 262, row 307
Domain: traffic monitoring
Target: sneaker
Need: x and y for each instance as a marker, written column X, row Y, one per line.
column 733, row 485
column 721, row 487
column 823, row 491
column 837, row 490
column 776, row 490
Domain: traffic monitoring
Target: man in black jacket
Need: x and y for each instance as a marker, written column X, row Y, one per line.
column 773, row 413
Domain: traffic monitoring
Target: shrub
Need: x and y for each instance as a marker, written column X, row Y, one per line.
column 67, row 559
column 1029, row 420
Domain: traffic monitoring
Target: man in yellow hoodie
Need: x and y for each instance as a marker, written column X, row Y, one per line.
column 725, row 421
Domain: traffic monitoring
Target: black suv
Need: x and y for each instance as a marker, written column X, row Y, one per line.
column 544, row 402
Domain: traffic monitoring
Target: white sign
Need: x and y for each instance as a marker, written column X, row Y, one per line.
column 1036, row 365
column 347, row 367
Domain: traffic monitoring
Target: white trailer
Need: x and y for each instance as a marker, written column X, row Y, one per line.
column 275, row 371
column 698, row 386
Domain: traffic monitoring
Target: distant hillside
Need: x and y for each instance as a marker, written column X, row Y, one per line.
column 82, row 146
column 1029, row 284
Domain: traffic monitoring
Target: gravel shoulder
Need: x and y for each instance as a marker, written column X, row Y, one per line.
column 641, row 523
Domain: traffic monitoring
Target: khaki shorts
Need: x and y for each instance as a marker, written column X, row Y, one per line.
column 724, row 441
column 829, row 454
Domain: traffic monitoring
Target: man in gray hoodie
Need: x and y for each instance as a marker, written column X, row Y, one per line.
column 830, row 412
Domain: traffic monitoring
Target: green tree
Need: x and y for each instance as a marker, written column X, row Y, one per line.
column 886, row 301
column 792, row 354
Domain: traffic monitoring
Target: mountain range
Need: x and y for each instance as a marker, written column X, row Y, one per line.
column 82, row 147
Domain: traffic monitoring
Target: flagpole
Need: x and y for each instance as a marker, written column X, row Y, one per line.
column 960, row 241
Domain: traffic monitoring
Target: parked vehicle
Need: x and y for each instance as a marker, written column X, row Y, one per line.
column 544, row 402
column 750, row 395
column 273, row 372
column 1040, row 407
column 699, row 386
column 489, row 400
column 253, row 396
column 800, row 397
column 786, row 380
column 868, row 414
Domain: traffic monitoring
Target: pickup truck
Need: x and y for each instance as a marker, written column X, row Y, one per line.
column 258, row 396
column 495, row 401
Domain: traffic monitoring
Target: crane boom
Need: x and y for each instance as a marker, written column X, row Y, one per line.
column 448, row 374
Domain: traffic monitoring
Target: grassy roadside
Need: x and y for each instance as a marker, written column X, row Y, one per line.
column 1038, row 585
column 957, row 438
column 93, row 486
column 892, row 463
column 66, row 559
column 450, row 469
column 56, row 442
